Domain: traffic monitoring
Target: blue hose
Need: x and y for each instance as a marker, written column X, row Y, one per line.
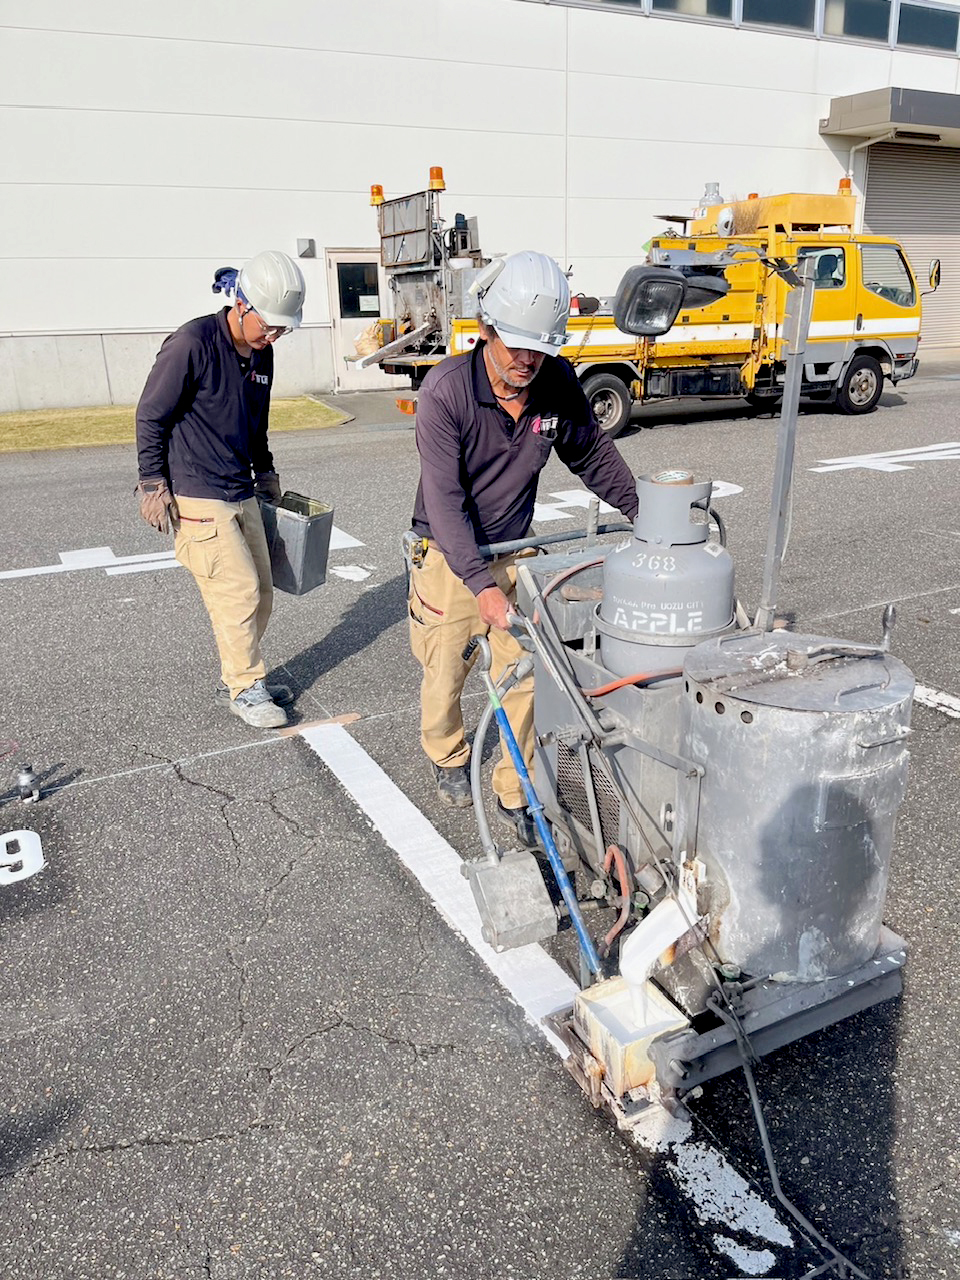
column 536, row 812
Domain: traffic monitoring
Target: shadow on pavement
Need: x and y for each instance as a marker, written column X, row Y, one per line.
column 21, row 1139
column 372, row 613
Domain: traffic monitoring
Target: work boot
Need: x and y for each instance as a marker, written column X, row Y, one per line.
column 522, row 823
column 453, row 785
column 256, row 707
column 281, row 694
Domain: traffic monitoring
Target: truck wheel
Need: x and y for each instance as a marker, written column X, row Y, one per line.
column 861, row 386
column 610, row 402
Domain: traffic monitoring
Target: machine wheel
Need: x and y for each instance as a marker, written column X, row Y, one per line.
column 610, row 402
column 861, row 387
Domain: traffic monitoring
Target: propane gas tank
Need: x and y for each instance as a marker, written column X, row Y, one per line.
column 803, row 742
column 667, row 588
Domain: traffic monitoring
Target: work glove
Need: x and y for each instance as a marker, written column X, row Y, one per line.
column 158, row 505
column 267, row 486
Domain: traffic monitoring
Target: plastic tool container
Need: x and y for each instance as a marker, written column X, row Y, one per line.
column 298, row 535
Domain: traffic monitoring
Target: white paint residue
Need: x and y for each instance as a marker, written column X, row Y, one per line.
column 953, row 1237
column 721, row 1195
column 750, row 1262
column 945, row 702
column 718, row 1193
column 352, row 572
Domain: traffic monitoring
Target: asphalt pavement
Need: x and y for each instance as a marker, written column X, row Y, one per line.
column 239, row 1039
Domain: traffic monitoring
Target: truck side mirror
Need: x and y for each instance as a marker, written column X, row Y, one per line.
column 649, row 299
column 934, row 273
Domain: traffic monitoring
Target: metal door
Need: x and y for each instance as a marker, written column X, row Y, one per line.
column 357, row 293
column 913, row 193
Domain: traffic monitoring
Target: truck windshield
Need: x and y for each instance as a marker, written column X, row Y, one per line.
column 830, row 269
column 885, row 273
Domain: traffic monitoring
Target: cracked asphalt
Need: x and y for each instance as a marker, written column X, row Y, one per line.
column 238, row 1040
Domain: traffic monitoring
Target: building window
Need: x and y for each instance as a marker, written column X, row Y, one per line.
column 862, row 19
column 798, row 14
column 830, row 271
column 928, row 28
column 885, row 274
column 696, row 8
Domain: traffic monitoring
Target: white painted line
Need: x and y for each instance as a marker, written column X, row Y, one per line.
column 340, row 541
column 88, row 558
column 535, row 981
column 580, row 498
column 945, row 702
column 104, row 558
column 892, row 459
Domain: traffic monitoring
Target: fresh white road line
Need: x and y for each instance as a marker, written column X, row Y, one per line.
column 721, row 1197
column 945, row 702
column 535, row 981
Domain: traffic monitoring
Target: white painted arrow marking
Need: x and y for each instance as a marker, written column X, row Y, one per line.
column 892, row 459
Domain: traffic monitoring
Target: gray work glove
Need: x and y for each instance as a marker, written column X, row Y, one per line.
column 157, row 504
column 267, row 486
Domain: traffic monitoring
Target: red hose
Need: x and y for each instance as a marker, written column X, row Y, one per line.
column 615, row 854
column 640, row 678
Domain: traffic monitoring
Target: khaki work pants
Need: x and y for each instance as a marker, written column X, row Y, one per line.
column 443, row 616
column 225, row 548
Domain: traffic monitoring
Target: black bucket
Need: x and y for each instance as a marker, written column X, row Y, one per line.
column 298, row 535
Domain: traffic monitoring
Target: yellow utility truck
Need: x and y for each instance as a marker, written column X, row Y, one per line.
column 865, row 325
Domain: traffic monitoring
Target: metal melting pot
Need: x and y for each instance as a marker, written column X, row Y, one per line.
column 804, row 746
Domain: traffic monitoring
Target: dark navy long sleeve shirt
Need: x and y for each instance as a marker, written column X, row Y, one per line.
column 203, row 415
column 479, row 468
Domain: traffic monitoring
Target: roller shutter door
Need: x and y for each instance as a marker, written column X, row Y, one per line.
column 913, row 195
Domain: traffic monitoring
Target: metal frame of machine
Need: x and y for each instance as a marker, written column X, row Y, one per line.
column 731, row 787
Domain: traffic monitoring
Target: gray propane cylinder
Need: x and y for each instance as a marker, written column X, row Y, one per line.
column 803, row 743
column 667, row 588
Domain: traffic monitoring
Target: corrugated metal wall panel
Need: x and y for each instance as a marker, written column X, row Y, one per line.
column 913, row 195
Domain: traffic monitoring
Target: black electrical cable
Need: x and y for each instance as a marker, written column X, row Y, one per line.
column 730, row 1018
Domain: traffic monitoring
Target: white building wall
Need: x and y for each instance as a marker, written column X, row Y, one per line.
column 143, row 146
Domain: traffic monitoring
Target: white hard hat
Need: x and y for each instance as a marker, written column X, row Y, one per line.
column 526, row 299
column 273, row 285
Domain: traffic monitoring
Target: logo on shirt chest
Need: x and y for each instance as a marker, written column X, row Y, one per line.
column 545, row 427
column 262, row 378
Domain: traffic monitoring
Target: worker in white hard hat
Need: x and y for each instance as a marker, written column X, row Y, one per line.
column 205, row 461
column 487, row 423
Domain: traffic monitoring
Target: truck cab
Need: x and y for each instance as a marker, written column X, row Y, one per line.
column 865, row 327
